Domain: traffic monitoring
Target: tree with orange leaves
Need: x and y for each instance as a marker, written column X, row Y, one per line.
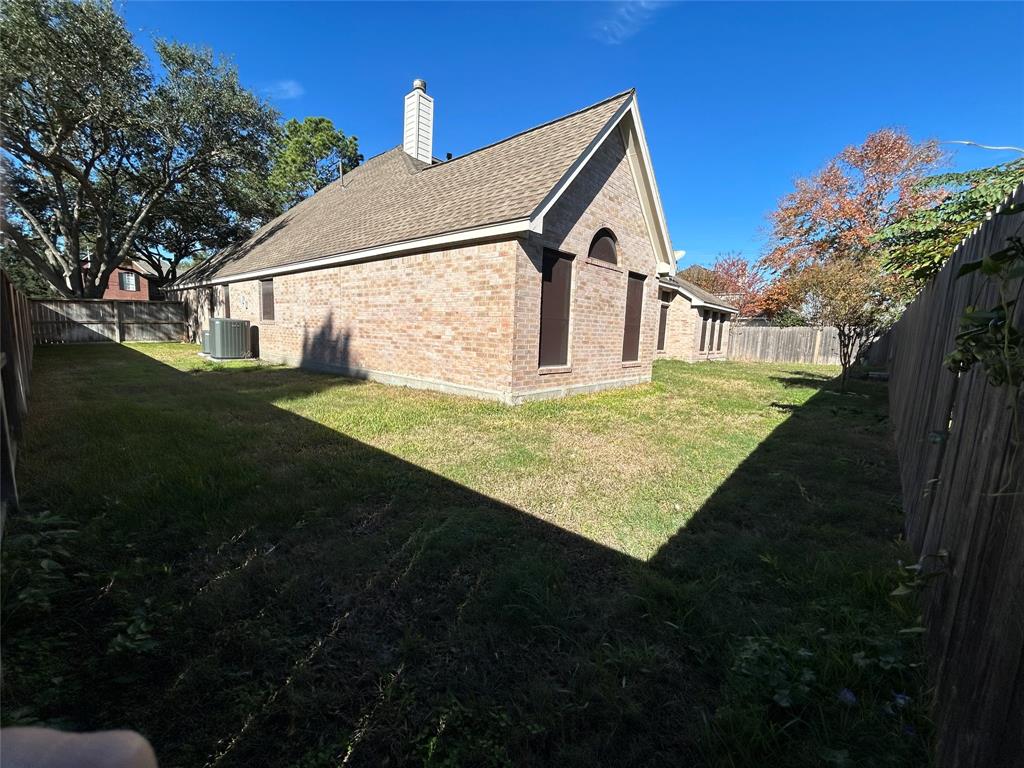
column 732, row 276
column 838, row 212
column 824, row 235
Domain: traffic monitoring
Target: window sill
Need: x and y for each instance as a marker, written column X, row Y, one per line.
column 546, row 369
column 631, row 364
column 605, row 265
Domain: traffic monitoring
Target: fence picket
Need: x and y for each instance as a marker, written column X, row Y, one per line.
column 97, row 320
column 963, row 494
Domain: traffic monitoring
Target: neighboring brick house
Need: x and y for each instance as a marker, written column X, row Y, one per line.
column 132, row 281
column 694, row 324
column 526, row 269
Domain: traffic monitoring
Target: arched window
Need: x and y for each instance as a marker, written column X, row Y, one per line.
column 603, row 248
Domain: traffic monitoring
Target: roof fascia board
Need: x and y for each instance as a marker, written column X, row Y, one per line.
column 719, row 307
column 518, row 226
column 652, row 184
column 630, row 141
column 574, row 170
column 695, row 302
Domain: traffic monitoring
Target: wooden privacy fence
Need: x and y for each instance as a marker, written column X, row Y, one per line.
column 98, row 320
column 15, row 375
column 772, row 344
column 962, row 471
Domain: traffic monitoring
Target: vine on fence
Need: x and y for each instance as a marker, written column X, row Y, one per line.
column 988, row 336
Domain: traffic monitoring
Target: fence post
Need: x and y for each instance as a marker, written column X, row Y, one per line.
column 15, row 369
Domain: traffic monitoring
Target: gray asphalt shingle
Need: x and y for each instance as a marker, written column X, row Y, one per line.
column 392, row 197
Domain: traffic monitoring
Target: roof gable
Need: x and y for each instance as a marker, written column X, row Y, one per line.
column 393, row 203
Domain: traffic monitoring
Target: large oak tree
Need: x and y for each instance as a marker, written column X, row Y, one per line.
column 95, row 146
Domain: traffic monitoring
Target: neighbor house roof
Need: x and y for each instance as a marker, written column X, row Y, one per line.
column 698, row 296
column 393, row 202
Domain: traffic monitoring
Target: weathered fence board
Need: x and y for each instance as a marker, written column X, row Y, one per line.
column 92, row 320
column 16, row 370
column 958, row 441
column 772, row 344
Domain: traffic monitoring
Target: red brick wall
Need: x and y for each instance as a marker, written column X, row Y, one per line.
column 680, row 341
column 443, row 317
column 711, row 352
column 113, row 289
column 602, row 195
column 682, row 333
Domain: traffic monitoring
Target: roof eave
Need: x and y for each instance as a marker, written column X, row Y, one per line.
column 510, row 228
column 695, row 301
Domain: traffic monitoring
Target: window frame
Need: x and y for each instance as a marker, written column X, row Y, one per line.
column 703, row 330
column 564, row 363
column 263, row 301
column 122, row 280
column 640, row 280
column 602, row 233
column 662, row 326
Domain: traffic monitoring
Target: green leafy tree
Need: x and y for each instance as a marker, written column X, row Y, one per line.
column 200, row 219
column 312, row 154
column 93, row 144
column 856, row 297
column 24, row 277
column 919, row 244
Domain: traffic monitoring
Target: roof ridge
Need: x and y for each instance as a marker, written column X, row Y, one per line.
column 628, row 91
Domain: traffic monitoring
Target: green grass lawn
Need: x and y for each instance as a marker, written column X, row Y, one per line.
column 255, row 565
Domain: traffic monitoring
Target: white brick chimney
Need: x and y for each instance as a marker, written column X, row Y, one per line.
column 418, row 138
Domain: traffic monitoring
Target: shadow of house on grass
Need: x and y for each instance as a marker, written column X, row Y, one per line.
column 313, row 598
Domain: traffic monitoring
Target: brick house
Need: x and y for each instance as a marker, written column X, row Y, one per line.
column 694, row 323
column 529, row 268
column 132, row 281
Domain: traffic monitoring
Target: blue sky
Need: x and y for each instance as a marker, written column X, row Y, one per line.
column 738, row 99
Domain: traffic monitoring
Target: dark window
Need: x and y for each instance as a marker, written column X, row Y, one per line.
column 662, row 322
column 556, row 283
column 128, row 281
column 267, row 299
column 227, row 301
column 634, row 310
column 721, row 327
column 603, row 247
column 703, row 329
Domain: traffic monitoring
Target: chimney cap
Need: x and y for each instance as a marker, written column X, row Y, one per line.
column 419, row 83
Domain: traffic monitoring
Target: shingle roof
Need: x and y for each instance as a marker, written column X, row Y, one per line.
column 393, row 198
column 700, row 294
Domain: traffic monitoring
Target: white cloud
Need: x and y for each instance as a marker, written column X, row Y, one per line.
column 282, row 90
column 624, row 20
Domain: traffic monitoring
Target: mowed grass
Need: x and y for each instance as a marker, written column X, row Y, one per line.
column 261, row 566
